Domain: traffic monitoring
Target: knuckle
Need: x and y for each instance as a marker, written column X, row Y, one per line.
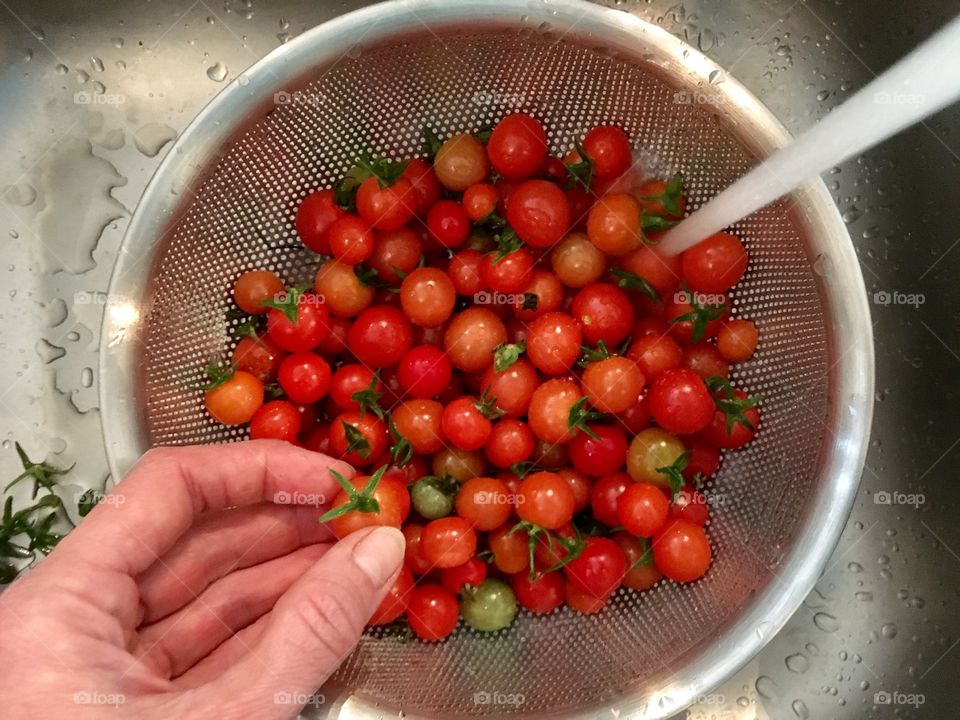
column 328, row 620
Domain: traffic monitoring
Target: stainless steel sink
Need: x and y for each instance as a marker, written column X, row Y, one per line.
column 93, row 96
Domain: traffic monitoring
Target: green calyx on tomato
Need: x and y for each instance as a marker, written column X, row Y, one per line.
column 356, row 442
column 251, row 327
column 572, row 546
column 579, row 417
column 674, row 473
column 433, row 496
column 506, row 355
column 733, row 407
column 656, row 223
column 581, row 172
column 487, row 404
column 524, row 468
column 369, row 398
column 218, row 372
column 670, row 197
column 630, row 281
column 507, row 242
column 491, row 221
column 592, row 355
column 401, row 452
column 359, row 500
column 288, row 303
column 700, row 316
column 483, row 134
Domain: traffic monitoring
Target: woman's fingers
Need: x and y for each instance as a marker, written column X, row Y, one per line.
column 225, row 656
column 173, row 645
column 314, row 626
column 220, row 543
column 142, row 518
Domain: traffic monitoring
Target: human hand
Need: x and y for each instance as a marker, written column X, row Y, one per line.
column 187, row 592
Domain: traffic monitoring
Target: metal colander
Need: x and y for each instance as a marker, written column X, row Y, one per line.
column 224, row 201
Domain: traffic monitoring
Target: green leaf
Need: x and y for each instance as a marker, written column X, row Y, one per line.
column 359, row 500
column 530, row 302
column 646, row 557
column 630, row 281
column 217, row 372
column 387, row 172
column 506, row 355
column 654, row 223
column 43, row 474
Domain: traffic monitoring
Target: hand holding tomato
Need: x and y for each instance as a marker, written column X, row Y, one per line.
column 198, row 581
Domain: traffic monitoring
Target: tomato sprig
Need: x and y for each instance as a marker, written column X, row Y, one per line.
column 579, row 417
column 369, row 398
column 700, row 316
column 507, row 354
column 43, row 474
column 431, row 143
column 674, row 473
column 733, row 408
column 361, row 501
column 524, row 467
column 630, row 281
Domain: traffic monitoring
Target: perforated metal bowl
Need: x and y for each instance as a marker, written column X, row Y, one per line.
column 224, row 199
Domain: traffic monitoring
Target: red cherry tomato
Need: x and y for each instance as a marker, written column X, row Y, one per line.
column 433, row 612
column 682, row 551
column 507, row 274
column 424, row 371
column 553, row 342
column 643, row 509
column 716, row 431
column 596, row 457
column 545, row 499
column 606, row 494
column 690, row 505
column 424, row 185
column 517, row 147
column 258, row 356
column 599, row 569
column 604, row 312
column 277, row 419
column 306, row 332
column 349, row 380
column 316, row 213
column 716, row 264
column 539, row 213
column 380, row 336
column 448, row 542
column 358, row 440
column 544, row 594
column 479, row 201
column 351, row 240
column 472, row 572
column 448, row 223
column 386, row 208
column 680, row 402
column 234, row 401
column 510, row 442
column 304, row 377
column 392, row 498
column 609, row 149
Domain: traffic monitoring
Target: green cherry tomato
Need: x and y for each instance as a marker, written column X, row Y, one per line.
column 490, row 607
column 432, row 498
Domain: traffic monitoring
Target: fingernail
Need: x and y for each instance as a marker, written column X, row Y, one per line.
column 380, row 553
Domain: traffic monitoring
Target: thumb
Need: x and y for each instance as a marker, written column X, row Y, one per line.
column 313, row 627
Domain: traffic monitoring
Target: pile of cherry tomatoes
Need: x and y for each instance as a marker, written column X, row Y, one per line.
column 528, row 388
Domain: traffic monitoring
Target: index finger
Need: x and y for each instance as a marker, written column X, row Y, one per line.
column 155, row 504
